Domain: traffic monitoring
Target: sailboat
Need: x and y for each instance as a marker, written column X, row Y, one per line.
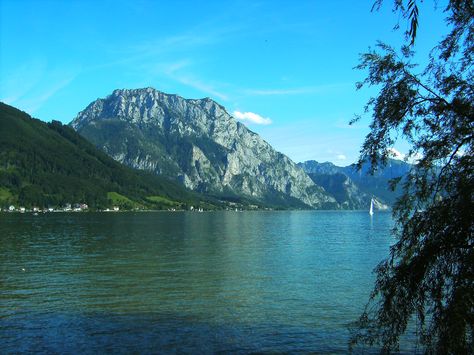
column 371, row 209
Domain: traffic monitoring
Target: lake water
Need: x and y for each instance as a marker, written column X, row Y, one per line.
column 186, row 282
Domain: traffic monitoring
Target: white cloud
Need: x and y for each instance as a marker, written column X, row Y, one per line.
column 251, row 117
column 393, row 153
column 341, row 157
column 412, row 158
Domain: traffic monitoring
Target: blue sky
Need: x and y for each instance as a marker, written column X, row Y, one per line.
column 287, row 64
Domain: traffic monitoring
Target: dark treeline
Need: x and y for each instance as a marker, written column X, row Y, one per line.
column 49, row 164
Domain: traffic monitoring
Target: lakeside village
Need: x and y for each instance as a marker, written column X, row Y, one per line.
column 82, row 207
column 78, row 207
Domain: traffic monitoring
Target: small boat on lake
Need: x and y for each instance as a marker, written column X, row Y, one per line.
column 371, row 209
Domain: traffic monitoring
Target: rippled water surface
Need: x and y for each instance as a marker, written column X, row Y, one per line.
column 186, row 282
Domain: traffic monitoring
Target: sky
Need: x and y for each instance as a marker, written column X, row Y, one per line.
column 283, row 68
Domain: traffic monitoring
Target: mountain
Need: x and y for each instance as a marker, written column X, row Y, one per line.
column 198, row 143
column 344, row 190
column 49, row 164
column 313, row 167
column 378, row 183
column 354, row 188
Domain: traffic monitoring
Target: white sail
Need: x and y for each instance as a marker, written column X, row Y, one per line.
column 371, row 210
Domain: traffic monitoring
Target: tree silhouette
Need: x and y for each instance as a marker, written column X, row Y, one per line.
column 428, row 277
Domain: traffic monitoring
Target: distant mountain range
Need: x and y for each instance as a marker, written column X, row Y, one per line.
column 144, row 148
column 353, row 188
column 49, row 164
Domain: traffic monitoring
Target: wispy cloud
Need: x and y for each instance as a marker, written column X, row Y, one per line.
column 197, row 84
column 297, row 91
column 272, row 92
column 252, row 117
column 341, row 157
column 162, row 58
column 172, row 68
column 148, row 51
column 180, row 71
column 33, row 103
column 153, row 49
column 30, row 95
column 175, row 43
column 22, row 80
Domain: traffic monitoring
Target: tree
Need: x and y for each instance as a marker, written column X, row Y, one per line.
column 428, row 279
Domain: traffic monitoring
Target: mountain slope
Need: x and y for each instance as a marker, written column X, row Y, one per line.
column 378, row 183
column 197, row 143
column 50, row 165
column 363, row 186
column 344, row 190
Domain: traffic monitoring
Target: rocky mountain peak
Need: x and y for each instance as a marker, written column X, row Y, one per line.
column 148, row 105
column 197, row 142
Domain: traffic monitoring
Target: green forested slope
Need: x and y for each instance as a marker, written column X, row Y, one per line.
column 49, row 164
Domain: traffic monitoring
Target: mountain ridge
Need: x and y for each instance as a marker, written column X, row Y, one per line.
column 363, row 185
column 196, row 142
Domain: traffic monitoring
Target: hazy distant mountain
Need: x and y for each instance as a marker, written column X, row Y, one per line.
column 354, row 188
column 378, row 183
column 199, row 144
column 313, row 167
column 343, row 189
column 49, row 164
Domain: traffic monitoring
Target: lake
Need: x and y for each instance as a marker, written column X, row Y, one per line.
column 183, row 282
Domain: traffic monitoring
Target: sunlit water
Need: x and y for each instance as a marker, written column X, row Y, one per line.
column 186, row 282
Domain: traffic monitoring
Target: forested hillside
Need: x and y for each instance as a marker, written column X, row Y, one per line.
column 49, row 164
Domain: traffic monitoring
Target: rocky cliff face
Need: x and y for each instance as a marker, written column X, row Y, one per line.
column 198, row 143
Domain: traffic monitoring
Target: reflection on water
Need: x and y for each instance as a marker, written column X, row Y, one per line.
column 186, row 282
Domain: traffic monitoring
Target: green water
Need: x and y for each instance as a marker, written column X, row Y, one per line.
column 184, row 282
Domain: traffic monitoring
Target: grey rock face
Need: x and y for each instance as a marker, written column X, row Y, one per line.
column 198, row 143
